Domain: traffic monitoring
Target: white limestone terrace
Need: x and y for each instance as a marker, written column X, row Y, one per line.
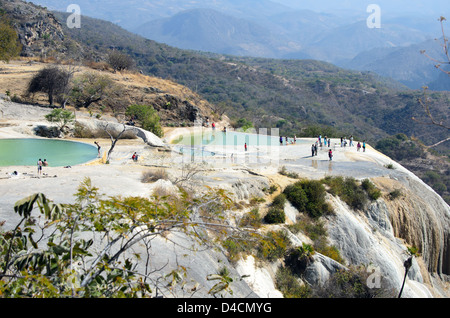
column 362, row 237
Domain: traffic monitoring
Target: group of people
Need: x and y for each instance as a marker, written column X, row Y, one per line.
column 288, row 140
column 344, row 141
column 358, row 146
column 320, row 142
column 324, row 141
column 41, row 164
column 315, row 145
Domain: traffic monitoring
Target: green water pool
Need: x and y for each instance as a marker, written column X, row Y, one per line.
column 231, row 138
column 59, row 153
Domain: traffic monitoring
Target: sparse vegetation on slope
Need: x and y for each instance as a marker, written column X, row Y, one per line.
column 432, row 168
column 294, row 93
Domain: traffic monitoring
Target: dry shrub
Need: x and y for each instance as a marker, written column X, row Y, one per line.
column 102, row 66
column 154, row 175
column 161, row 191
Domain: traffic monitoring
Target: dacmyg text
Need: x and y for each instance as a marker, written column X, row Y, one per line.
column 241, row 307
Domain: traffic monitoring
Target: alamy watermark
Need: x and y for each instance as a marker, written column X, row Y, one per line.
column 374, row 19
column 226, row 145
column 74, row 20
column 374, row 279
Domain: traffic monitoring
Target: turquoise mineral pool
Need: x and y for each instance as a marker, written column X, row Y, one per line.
column 59, row 153
column 231, row 138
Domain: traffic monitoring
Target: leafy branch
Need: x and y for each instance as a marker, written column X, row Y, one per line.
column 89, row 248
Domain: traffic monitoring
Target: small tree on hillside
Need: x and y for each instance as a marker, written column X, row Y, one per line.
column 62, row 117
column 147, row 118
column 90, row 88
column 119, row 61
column 52, row 81
column 9, row 44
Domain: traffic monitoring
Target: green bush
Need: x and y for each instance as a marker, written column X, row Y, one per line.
column 288, row 284
column 147, row 118
column 60, row 116
column 439, row 187
column 279, row 201
column 321, row 246
column 394, row 194
column 9, row 41
column 312, row 228
column 235, row 248
column 308, row 196
column 298, row 258
column 348, row 190
column 370, row 189
column 243, row 123
column 290, row 174
column 252, row 218
column 275, row 215
column 273, row 246
column 351, row 283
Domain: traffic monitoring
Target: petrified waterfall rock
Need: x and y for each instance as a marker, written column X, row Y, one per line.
column 379, row 235
column 115, row 128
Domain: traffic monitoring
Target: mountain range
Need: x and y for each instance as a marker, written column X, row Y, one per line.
column 406, row 64
column 303, row 97
column 331, row 31
column 210, row 30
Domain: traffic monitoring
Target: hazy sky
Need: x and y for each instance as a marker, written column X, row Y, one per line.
column 397, row 7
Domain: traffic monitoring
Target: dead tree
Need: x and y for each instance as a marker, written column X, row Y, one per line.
column 114, row 136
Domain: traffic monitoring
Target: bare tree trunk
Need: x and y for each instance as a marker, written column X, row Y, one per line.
column 114, row 139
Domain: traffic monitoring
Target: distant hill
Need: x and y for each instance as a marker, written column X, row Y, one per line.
column 405, row 64
column 291, row 34
column 289, row 94
column 259, row 28
column 301, row 97
column 292, row 94
column 345, row 42
column 129, row 14
column 211, row 31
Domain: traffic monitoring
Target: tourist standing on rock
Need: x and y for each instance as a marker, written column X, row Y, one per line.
column 330, row 154
column 358, row 146
column 312, row 150
column 39, row 166
column 245, row 146
column 281, row 140
column 364, row 146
